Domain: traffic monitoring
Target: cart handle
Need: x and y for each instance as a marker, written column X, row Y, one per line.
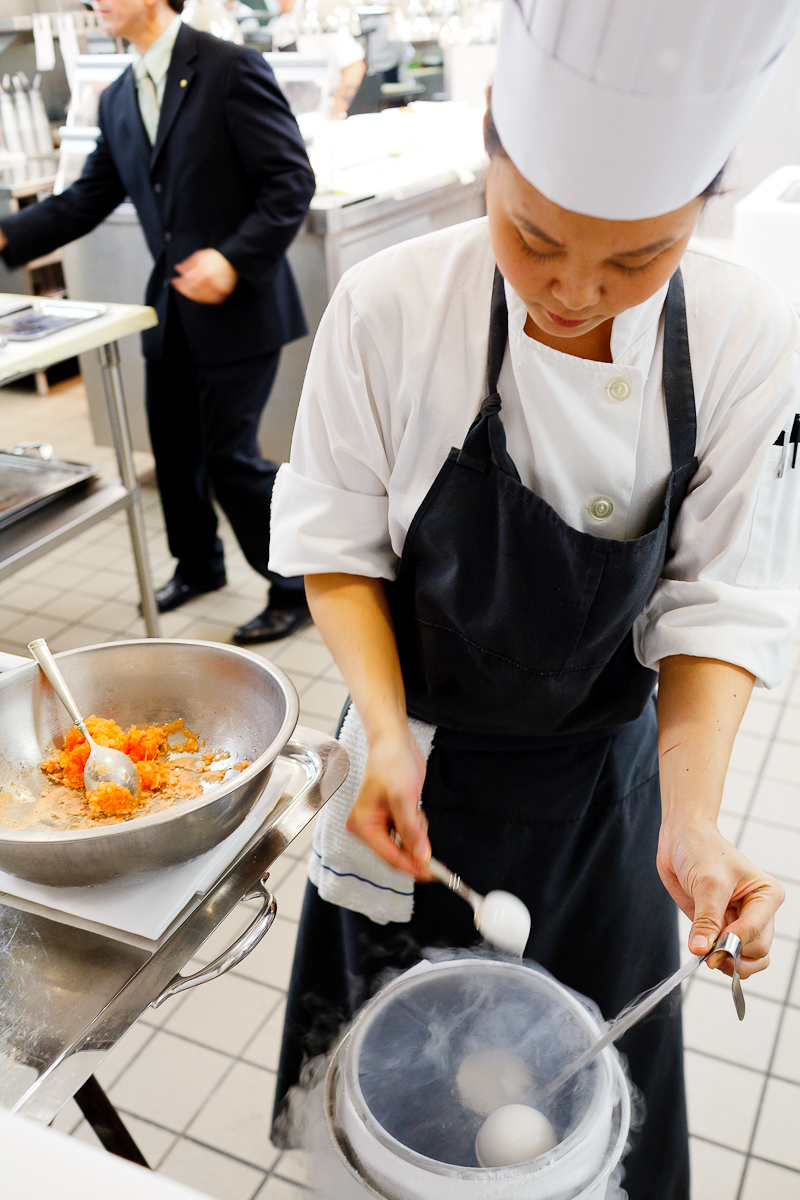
column 44, row 448
column 234, row 954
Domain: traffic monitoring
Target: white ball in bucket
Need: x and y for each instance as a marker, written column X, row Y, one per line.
column 513, row 1134
column 489, row 1078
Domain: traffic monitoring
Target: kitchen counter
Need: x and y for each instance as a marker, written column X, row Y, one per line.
column 39, row 1163
column 18, row 359
column 381, row 178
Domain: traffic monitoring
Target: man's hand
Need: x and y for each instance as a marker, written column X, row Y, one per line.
column 205, row 277
column 719, row 889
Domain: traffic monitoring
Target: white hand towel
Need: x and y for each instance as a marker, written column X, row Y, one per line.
column 342, row 867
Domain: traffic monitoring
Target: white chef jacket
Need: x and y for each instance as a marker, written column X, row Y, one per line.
column 340, row 47
column 397, row 374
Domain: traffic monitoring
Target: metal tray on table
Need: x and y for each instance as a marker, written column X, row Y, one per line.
column 27, row 483
column 48, row 316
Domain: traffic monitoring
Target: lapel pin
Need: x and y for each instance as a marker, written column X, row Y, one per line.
column 183, row 83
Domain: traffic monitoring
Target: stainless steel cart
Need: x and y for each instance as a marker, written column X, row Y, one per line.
column 70, row 989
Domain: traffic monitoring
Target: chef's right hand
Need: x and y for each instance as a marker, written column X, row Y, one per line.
column 388, row 803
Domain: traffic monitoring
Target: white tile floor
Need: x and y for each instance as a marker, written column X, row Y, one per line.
column 194, row 1080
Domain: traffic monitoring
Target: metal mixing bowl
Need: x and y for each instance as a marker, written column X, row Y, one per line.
column 230, row 697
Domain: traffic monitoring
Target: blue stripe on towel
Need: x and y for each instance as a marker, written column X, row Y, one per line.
column 351, row 875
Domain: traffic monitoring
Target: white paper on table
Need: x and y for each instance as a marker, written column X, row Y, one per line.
column 146, row 906
column 43, row 44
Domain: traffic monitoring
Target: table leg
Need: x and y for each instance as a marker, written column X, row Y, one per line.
column 107, row 1123
column 120, row 431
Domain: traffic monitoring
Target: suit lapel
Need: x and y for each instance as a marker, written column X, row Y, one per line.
column 179, row 80
column 137, row 140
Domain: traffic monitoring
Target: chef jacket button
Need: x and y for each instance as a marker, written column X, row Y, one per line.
column 618, row 388
column 601, row 508
column 168, row 237
column 157, row 188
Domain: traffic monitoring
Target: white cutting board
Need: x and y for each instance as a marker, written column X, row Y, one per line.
column 147, row 906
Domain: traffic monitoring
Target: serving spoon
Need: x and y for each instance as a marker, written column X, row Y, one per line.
column 726, row 943
column 103, row 765
column 499, row 917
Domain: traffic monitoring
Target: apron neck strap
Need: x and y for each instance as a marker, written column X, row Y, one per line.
column 677, row 376
column 486, row 440
column 498, row 332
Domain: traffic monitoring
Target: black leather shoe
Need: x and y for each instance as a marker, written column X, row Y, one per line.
column 272, row 624
column 177, row 592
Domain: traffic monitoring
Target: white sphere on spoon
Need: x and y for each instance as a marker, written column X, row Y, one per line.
column 504, row 921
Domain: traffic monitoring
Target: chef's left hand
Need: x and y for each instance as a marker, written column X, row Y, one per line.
column 206, row 277
column 720, row 891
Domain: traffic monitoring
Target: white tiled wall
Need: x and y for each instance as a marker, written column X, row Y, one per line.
column 194, row 1080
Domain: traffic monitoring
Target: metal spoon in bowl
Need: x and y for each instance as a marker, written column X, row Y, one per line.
column 103, row 765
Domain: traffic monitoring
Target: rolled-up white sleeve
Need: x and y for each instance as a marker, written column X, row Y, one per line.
column 330, row 503
column 729, row 589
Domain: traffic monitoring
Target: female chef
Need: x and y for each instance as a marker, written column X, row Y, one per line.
column 505, row 550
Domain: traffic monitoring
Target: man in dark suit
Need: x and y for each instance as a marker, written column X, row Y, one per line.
column 200, row 137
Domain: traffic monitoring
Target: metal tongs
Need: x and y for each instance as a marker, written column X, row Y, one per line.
column 726, row 943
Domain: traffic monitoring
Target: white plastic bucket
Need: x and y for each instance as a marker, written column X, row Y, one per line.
column 598, row 1121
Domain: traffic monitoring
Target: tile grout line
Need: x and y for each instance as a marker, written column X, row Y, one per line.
column 771, row 740
column 707, row 1141
column 768, row 1076
column 188, row 1137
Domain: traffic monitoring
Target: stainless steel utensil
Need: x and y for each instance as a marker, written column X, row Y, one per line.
column 104, row 765
column 726, row 943
column 233, row 698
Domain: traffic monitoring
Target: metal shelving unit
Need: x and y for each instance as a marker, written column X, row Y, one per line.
column 44, row 530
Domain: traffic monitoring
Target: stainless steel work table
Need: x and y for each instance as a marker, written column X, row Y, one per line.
column 70, row 989
column 47, row 528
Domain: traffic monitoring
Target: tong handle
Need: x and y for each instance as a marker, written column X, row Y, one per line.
column 730, row 943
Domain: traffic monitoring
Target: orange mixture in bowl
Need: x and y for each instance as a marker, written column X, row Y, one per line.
column 151, row 748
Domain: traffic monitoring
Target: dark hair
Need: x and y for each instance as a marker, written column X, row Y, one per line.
column 176, row 5
column 491, row 138
column 495, row 149
column 714, row 188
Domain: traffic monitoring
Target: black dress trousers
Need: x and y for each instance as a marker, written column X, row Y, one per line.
column 204, row 431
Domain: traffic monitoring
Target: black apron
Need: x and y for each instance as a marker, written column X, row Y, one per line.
column 514, row 632
column 508, row 620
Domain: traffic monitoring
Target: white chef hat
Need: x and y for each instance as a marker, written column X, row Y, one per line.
column 628, row 108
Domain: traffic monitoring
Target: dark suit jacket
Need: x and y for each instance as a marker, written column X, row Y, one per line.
column 228, row 171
